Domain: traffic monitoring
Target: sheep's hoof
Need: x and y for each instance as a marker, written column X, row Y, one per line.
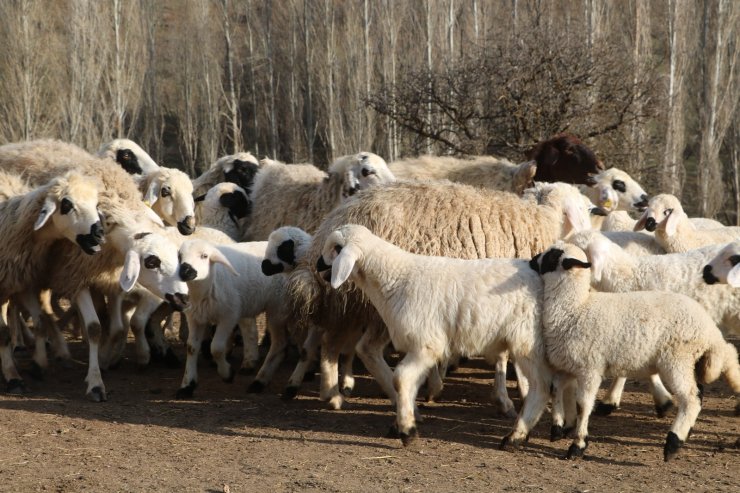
column 509, row 442
column 230, row 378
column 393, row 432
column 97, row 394
column 171, row 360
column 347, row 391
column 672, row 444
column 36, row 372
column 335, row 403
column 289, row 393
column 604, row 408
column 16, row 386
column 255, row 387
column 408, row 438
column 575, row 452
column 662, row 409
column 557, row 432
column 186, row 392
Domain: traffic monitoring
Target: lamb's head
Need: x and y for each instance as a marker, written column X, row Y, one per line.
column 523, row 177
column 561, row 259
column 664, row 212
column 169, row 192
column 285, row 247
column 152, row 261
column 230, row 196
column 239, row 168
column 341, row 252
column 196, row 257
column 129, row 155
column 725, row 267
column 71, row 202
column 361, row 171
column 122, row 220
column 576, row 208
column 630, row 195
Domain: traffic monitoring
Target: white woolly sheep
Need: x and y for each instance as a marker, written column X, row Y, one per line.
column 224, row 207
column 132, row 158
column 238, row 168
column 301, row 195
column 723, row 267
column 589, row 335
column 479, row 171
column 627, row 193
column 169, row 192
column 435, row 307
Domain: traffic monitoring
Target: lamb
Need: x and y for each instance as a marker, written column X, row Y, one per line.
column 586, row 334
column 565, row 158
column 481, row 171
column 673, row 229
column 132, row 158
column 169, row 192
column 429, row 218
column 224, row 207
column 723, row 267
column 239, row 168
column 466, row 307
column 226, row 287
column 301, row 195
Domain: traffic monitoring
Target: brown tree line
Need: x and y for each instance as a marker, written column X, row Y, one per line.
column 652, row 86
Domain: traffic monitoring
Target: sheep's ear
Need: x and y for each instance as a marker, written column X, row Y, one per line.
column 640, row 224
column 130, row 272
column 597, row 253
column 569, row 263
column 342, row 266
column 46, row 211
column 576, row 215
column 671, row 222
column 733, row 277
column 152, row 192
column 219, row 258
column 154, row 217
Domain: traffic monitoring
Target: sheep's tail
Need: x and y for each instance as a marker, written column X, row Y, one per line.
column 720, row 359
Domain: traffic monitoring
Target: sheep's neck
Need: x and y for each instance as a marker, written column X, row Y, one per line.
column 565, row 293
column 677, row 242
column 380, row 273
column 201, row 289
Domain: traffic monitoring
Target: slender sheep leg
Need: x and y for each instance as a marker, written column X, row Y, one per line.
column 58, row 343
column 40, row 359
column 17, row 328
column 521, row 381
column 143, row 312
column 329, row 362
column 370, row 349
column 10, row 372
column 250, row 349
column 661, row 397
column 588, row 387
column 278, row 344
column 91, row 323
column 156, row 337
column 540, row 378
column 348, row 379
column 224, row 329
column 115, row 345
column 500, row 395
column 408, row 377
column 612, row 399
column 563, row 406
column 190, row 377
column 435, row 382
column 308, row 355
column 686, row 393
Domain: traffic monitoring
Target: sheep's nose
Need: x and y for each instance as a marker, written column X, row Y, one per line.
column 650, row 224
column 709, row 278
column 321, row 265
column 187, row 273
column 598, row 211
column 97, row 232
column 186, row 226
column 270, row 269
column 178, row 301
column 643, row 203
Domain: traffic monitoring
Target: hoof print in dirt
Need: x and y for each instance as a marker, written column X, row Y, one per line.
column 97, row 394
column 16, row 386
column 575, row 452
column 408, row 438
column 661, row 410
column 289, row 393
column 36, row 372
column 603, row 409
column 255, row 387
column 186, row 392
column 672, row 444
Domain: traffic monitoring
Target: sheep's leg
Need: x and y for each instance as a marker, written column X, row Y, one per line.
column 58, row 342
column 250, row 349
column 278, row 344
column 370, row 349
column 540, row 378
column 224, row 328
column 661, row 396
column 115, row 344
column 91, row 323
column 331, row 349
column 156, row 339
column 588, row 387
column 500, row 395
column 348, row 378
column 612, row 399
column 680, row 378
column 435, row 382
column 10, row 372
column 40, row 359
column 308, row 356
column 521, row 381
column 408, row 377
column 563, row 407
column 190, row 378
column 17, row 328
column 143, row 312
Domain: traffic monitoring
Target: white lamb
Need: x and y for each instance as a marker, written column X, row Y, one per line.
column 224, row 207
column 590, row 335
column 616, row 190
column 169, row 192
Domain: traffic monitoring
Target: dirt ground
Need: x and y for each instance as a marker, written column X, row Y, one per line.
column 226, row 440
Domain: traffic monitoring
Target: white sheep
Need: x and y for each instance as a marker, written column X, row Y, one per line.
column 224, row 207
column 435, row 307
column 723, row 267
column 481, row 171
column 301, row 195
column 238, row 168
column 227, row 288
column 169, row 192
column 616, row 190
column 132, row 158
column 589, row 335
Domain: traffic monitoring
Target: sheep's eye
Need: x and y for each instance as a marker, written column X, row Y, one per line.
column 65, row 206
column 338, row 248
column 166, row 192
column 367, row 172
column 152, row 262
column 667, row 212
column 204, row 256
column 734, row 260
column 619, row 186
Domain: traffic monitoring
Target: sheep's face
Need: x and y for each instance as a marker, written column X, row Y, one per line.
column 365, row 170
column 629, row 193
column 152, row 261
column 664, row 212
column 170, row 195
column 241, row 170
column 71, row 204
column 196, row 259
column 560, row 258
column 285, row 247
column 231, row 197
column 341, row 253
column 523, row 177
column 725, row 267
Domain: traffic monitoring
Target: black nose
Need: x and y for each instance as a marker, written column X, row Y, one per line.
column 590, row 181
column 187, row 273
column 643, row 203
column 598, row 211
column 270, row 269
column 353, row 190
column 321, row 265
column 186, row 226
column 178, row 301
column 709, row 278
column 90, row 243
column 650, row 224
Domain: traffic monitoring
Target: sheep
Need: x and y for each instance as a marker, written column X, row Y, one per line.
column 628, row 194
column 589, row 335
column 565, row 158
column 722, row 268
column 64, row 208
column 429, row 218
column 435, row 307
column 673, row 229
column 226, row 287
column 239, row 168
column 481, row 171
column 169, row 192
column 301, row 195
column 224, row 207
column 132, row 158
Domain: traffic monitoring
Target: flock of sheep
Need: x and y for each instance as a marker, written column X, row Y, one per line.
column 443, row 258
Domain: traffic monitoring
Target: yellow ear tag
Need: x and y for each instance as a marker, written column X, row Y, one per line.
column 146, row 202
column 607, row 204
